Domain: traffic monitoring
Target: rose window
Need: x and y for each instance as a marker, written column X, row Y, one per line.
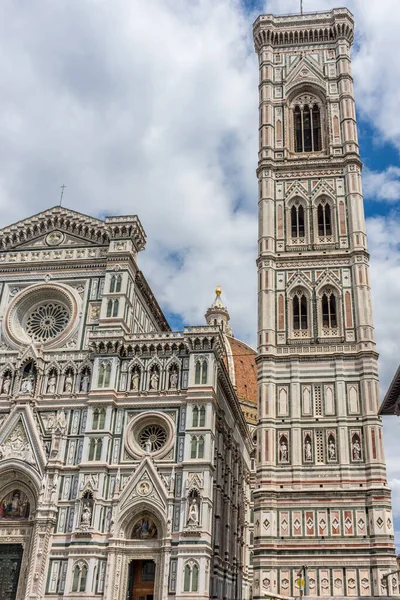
column 46, row 321
column 155, row 435
column 43, row 314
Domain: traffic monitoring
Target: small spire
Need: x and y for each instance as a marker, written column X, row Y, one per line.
column 218, row 314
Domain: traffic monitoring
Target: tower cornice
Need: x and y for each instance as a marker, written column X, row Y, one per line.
column 311, row 28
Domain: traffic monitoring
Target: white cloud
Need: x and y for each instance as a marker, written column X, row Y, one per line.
column 382, row 185
column 147, row 108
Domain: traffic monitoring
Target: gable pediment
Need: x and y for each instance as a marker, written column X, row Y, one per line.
column 44, row 241
column 145, row 484
column 59, row 227
column 53, row 228
column 20, row 439
column 305, row 71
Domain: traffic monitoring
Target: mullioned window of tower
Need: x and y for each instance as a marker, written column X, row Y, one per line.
column 307, row 126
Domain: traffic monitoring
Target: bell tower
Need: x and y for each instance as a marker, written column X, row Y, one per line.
column 322, row 505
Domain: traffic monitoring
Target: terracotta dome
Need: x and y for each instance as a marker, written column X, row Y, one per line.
column 241, row 363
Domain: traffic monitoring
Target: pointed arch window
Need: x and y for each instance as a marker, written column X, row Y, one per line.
column 202, row 415
column 300, row 313
column 80, row 577
column 307, row 127
column 115, row 308
column 191, row 577
column 197, row 447
column 324, row 219
column 118, row 284
column 200, row 448
column 104, row 375
column 201, row 372
column 195, row 420
column 95, row 448
column 297, row 221
column 197, row 373
column 112, row 284
column 99, row 418
column 329, row 310
column 204, row 373
column 109, row 308
column 95, row 419
column 193, row 447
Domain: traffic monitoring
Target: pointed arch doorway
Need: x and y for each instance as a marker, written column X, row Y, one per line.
column 139, row 556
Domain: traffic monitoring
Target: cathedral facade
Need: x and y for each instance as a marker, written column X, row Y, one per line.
column 125, row 456
column 323, row 519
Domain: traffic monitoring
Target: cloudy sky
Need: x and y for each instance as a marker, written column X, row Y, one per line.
column 150, row 108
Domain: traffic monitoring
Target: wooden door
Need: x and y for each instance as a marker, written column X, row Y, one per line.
column 10, row 565
column 143, row 575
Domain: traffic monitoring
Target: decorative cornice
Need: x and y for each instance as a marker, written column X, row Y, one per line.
column 151, row 301
column 90, row 229
column 310, row 28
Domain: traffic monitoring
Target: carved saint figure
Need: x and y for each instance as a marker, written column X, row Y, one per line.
column 68, row 383
column 147, row 446
column 284, row 451
column 193, row 516
column 86, row 516
column 52, row 383
column 307, row 449
column 332, row 449
column 85, row 381
column 173, row 380
column 135, row 380
column 154, row 379
column 27, row 384
column 6, row 384
column 61, row 422
column 356, row 449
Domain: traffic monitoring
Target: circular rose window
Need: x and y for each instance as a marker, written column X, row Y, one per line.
column 42, row 314
column 154, row 436
column 152, row 432
column 47, row 321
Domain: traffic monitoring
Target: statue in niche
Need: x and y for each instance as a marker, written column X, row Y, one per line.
column 68, row 383
column 332, row 449
column 154, row 379
column 356, row 448
column 85, row 381
column 87, row 510
column 283, row 450
column 14, row 506
column 173, row 379
column 52, row 383
column 135, row 380
column 28, row 383
column 308, row 449
column 193, row 513
column 86, row 517
column 6, row 385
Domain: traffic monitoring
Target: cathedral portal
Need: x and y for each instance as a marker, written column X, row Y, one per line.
column 10, row 566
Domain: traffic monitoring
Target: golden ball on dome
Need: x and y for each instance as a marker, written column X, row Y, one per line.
column 218, row 290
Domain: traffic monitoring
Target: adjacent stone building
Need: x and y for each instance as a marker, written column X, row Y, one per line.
column 322, row 505
column 124, row 454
